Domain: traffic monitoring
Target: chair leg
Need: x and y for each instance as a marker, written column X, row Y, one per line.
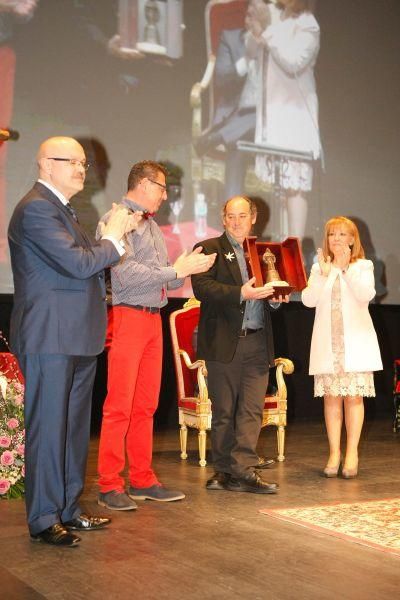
column 183, row 438
column 280, row 433
column 202, row 447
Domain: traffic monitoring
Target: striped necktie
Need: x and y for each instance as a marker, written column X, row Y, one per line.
column 72, row 212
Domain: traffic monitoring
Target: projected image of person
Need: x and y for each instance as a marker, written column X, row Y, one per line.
column 235, row 112
column 287, row 103
column 11, row 12
column 344, row 346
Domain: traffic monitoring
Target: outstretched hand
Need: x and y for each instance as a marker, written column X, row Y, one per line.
column 249, row 292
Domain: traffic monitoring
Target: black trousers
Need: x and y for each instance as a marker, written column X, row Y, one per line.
column 237, row 391
column 58, row 394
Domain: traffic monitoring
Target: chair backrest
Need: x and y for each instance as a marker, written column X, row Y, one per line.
column 219, row 15
column 183, row 322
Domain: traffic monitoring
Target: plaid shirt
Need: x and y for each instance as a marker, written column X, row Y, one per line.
column 143, row 274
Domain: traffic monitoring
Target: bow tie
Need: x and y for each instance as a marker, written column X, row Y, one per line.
column 147, row 215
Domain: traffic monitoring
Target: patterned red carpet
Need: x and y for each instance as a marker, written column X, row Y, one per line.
column 374, row 523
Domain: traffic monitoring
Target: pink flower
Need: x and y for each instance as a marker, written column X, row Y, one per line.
column 20, row 449
column 12, row 423
column 19, row 400
column 5, row 441
column 4, row 486
column 7, row 458
column 23, row 470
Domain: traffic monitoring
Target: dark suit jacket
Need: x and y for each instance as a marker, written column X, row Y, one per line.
column 228, row 120
column 221, row 312
column 59, row 299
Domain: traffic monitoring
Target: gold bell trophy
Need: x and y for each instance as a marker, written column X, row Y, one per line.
column 271, row 274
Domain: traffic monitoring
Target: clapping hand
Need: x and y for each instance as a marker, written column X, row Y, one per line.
column 193, row 262
column 324, row 264
column 342, row 257
column 121, row 221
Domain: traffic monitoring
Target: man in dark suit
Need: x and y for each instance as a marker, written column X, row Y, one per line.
column 235, row 339
column 235, row 113
column 57, row 329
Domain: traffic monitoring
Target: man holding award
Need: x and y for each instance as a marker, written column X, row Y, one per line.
column 235, row 339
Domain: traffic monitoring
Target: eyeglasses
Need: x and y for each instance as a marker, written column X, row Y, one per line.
column 161, row 185
column 74, row 162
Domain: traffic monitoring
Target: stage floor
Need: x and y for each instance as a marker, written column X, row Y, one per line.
column 216, row 545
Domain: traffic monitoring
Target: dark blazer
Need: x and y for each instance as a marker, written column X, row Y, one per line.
column 231, row 122
column 221, row 312
column 59, row 299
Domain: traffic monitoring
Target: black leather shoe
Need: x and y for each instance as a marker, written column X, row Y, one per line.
column 207, row 141
column 57, row 535
column 253, row 483
column 86, row 523
column 218, row 481
column 264, row 462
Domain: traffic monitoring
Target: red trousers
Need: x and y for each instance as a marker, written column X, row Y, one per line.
column 7, row 71
column 134, row 378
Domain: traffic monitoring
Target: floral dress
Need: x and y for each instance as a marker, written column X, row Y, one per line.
column 340, row 383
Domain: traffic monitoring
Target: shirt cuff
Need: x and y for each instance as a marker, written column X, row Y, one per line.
column 170, row 274
column 274, row 305
column 119, row 246
column 241, row 66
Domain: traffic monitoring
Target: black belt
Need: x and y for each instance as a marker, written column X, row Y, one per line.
column 246, row 332
column 149, row 309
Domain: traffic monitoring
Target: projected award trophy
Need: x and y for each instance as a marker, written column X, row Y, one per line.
column 150, row 27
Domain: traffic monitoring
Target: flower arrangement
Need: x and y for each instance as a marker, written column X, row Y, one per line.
column 12, row 435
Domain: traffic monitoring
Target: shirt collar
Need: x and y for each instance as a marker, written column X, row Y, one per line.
column 55, row 191
column 234, row 242
column 143, row 223
column 132, row 205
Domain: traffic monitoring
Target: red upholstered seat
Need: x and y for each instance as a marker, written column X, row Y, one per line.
column 396, row 395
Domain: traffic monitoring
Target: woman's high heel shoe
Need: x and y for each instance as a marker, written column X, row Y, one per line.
column 349, row 473
column 331, row 471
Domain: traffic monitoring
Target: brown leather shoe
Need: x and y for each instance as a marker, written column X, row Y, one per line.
column 253, row 484
column 264, row 462
column 57, row 535
column 86, row 523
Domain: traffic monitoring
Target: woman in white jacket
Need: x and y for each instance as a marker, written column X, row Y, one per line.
column 287, row 103
column 344, row 346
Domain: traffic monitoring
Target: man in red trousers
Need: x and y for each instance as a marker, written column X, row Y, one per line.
column 139, row 291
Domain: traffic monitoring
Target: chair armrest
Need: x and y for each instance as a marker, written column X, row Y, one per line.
column 199, row 87
column 195, row 97
column 283, row 365
column 200, row 365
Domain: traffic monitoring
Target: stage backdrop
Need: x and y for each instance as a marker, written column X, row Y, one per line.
column 119, row 76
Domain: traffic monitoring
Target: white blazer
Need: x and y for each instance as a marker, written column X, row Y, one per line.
column 360, row 342
column 291, row 98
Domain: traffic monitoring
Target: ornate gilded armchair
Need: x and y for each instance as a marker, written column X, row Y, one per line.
column 194, row 405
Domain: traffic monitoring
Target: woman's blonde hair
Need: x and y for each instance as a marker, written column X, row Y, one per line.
column 357, row 251
column 297, row 7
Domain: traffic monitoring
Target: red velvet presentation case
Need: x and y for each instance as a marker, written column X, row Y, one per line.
column 289, row 263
